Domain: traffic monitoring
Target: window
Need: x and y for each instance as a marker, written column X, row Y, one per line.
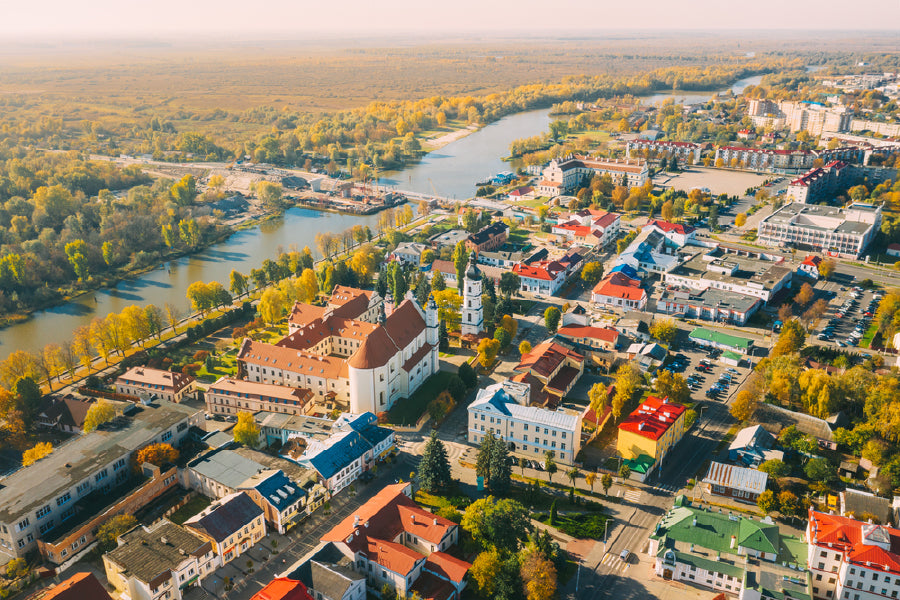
column 118, row 464
column 21, row 543
column 526, row 426
column 101, row 475
column 46, row 526
column 167, row 436
column 63, row 499
column 42, row 512
column 23, row 524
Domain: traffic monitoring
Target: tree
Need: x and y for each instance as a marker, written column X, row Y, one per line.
column 767, row 502
column 713, row 220
column 524, row 347
column 100, row 412
column 460, row 260
column 483, row 457
column 109, row 532
column 606, row 482
column 549, row 465
column 589, row 478
column 592, row 273
column 664, row 330
column 553, row 513
column 744, row 405
column 201, row 297
column 818, row 469
column 805, row 295
column 573, row 475
column 468, row 375
column 673, row 386
column 508, row 323
column 155, row 454
column 740, row 219
column 487, row 351
column 775, row 468
column 269, row 194
column 272, row 305
column 238, row 283
column 28, row 397
column 75, row 251
column 538, row 576
column 598, row 398
column 628, row 382
column 667, row 210
column 307, row 286
column 509, row 283
column 434, row 468
column 788, row 503
column 551, row 318
column 790, row 340
column 503, row 337
column 437, row 282
column 246, row 431
column 485, row 570
column 624, row 471
column 499, row 523
column 500, row 476
column 39, row 451
column 523, row 462
column 827, row 267
column 184, row 191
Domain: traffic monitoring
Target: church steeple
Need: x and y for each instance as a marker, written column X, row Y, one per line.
column 473, row 311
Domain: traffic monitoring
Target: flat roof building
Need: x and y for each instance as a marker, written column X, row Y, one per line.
column 831, row 230
column 719, row 269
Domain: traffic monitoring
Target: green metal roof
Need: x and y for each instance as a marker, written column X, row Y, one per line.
column 732, row 355
column 713, row 566
column 641, row 464
column 723, row 339
column 714, row 530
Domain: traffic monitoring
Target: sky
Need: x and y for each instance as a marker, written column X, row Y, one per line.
column 247, row 19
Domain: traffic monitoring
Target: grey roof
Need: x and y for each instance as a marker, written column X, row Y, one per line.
column 710, row 298
column 226, row 467
column 776, row 418
column 307, row 426
column 217, row 439
column 449, row 238
column 736, row 478
column 149, row 554
column 72, row 462
column 859, row 502
column 498, row 397
column 225, row 517
column 752, row 436
column 294, row 471
column 327, row 572
column 749, row 270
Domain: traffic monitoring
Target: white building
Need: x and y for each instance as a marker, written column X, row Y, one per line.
column 231, row 396
column 833, row 231
column 345, row 357
column 852, row 560
column 750, row 276
column 146, row 383
column 684, row 151
column 472, row 311
column 502, row 409
column 409, row 253
column 570, row 171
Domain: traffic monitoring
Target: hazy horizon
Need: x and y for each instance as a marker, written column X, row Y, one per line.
column 116, row 19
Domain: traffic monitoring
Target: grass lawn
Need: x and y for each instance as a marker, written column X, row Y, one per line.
column 408, row 410
column 532, row 203
column 866, row 341
column 194, row 505
column 226, row 366
column 584, row 525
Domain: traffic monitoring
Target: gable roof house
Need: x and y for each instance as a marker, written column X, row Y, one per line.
column 232, row 525
column 753, row 446
column 551, row 368
column 394, row 541
column 740, row 483
column 329, row 575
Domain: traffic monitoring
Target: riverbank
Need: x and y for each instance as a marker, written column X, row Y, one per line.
column 436, row 143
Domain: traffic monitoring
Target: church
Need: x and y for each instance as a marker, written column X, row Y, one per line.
column 359, row 352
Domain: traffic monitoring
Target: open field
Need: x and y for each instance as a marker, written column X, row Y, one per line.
column 719, row 181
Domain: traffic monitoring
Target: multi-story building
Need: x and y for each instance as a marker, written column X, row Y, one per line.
column 145, row 383
column 619, row 291
column 345, row 354
column 684, row 151
column 590, row 228
column 329, row 575
column 812, row 117
column 160, row 562
column 722, row 270
column 678, row 234
column 735, row 555
column 647, row 434
column 231, row 396
column 541, row 277
column 283, row 502
column 652, row 252
column 391, row 540
column 355, row 445
column 570, row 171
column 409, row 253
column 551, row 369
column 852, row 560
column 232, row 525
column 47, row 501
column 488, row 238
column 762, row 160
column 834, row 231
column 502, row 410
column 711, row 304
column 821, row 183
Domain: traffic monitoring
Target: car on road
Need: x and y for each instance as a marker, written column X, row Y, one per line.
column 624, row 555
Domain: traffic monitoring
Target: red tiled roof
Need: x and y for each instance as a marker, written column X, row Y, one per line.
column 849, row 536
column 676, row 227
column 812, row 260
column 404, row 324
column 607, row 334
column 80, row 586
column 619, row 285
column 532, row 272
column 289, row 359
column 432, row 587
column 894, row 246
column 391, row 555
column 283, row 588
column 416, row 357
column 652, row 418
column 563, row 379
column 545, row 358
column 606, row 220
column 444, row 565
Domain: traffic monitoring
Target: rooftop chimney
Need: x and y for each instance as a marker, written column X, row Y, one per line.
column 733, row 542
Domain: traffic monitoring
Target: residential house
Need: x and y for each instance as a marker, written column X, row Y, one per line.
column 739, row 483
column 551, row 368
column 521, row 193
column 587, row 338
column 80, row 586
column 635, row 325
column 409, row 253
column 576, row 315
column 488, row 238
column 893, row 250
column 57, row 504
column 356, row 444
column 648, row 433
column 329, row 575
column 159, row 562
column 232, row 525
column 810, row 266
column 231, row 396
column 678, row 234
column 730, row 554
column 863, row 506
column 647, row 357
column 501, row 258
column 448, row 239
column 541, row 277
column 147, row 383
column 283, row 502
column 67, row 413
column 395, row 542
column 617, row 290
column 283, row 588
column 502, row 410
column 850, row 558
column 551, row 189
column 753, row 446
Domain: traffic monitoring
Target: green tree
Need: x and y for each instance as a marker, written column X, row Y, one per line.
column 502, row 336
column 553, row 513
column 76, row 252
column 551, row 318
column 573, row 475
column 664, row 330
column 246, row 431
column 434, row 468
column 624, row 471
column 767, row 502
column 818, row 469
column 500, row 475
column 606, row 482
column 592, row 273
column 789, row 504
column 502, row 524
column 550, row 465
column 460, row 260
column 524, row 347
column 483, row 457
column 509, row 283
column 437, row 282
column 184, row 191
column 468, row 375
column 775, row 468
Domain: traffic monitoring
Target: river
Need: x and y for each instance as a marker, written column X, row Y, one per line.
column 450, row 171
column 695, row 97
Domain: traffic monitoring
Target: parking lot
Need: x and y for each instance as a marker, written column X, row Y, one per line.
column 849, row 315
column 708, row 379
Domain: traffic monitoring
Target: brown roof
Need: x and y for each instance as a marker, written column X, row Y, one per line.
column 416, row 357
column 165, row 379
column 80, row 586
column 281, row 357
column 441, row 563
column 545, row 358
column 404, row 324
column 376, row 351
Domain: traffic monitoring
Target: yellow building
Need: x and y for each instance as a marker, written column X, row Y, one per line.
column 233, row 525
column 648, row 433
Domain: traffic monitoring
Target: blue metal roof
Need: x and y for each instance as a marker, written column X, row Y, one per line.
column 626, row 270
column 339, row 455
column 279, row 490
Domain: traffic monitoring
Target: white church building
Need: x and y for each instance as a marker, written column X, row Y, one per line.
column 359, row 352
column 472, row 309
